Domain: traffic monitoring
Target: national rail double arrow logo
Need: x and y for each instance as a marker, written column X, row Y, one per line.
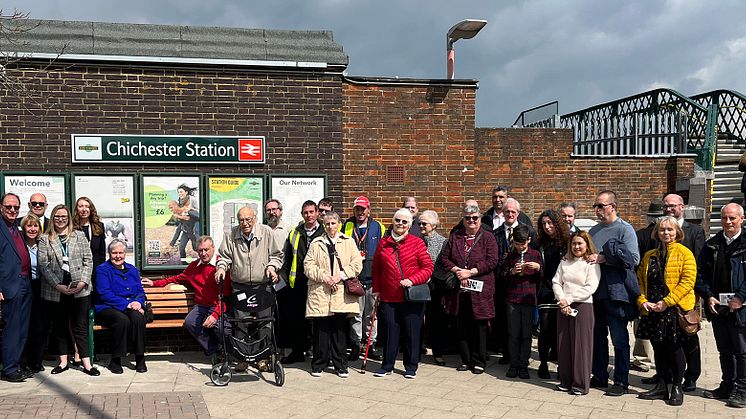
column 250, row 149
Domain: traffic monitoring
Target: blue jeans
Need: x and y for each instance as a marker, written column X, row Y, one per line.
column 610, row 319
column 208, row 339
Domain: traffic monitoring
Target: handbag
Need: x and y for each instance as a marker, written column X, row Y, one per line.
column 352, row 285
column 415, row 293
column 443, row 279
column 689, row 320
column 148, row 314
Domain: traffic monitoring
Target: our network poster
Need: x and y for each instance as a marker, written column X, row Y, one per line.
column 293, row 191
column 114, row 199
column 54, row 187
column 172, row 220
column 228, row 194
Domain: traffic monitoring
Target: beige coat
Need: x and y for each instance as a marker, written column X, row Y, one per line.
column 248, row 265
column 321, row 301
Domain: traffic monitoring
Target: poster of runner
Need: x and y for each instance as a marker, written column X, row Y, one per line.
column 228, row 194
column 114, row 199
column 293, row 190
column 171, row 220
column 53, row 186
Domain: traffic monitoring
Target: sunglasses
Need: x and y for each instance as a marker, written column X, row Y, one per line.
column 600, row 206
column 422, row 224
column 400, row 221
column 12, row 207
column 471, row 218
column 37, row 204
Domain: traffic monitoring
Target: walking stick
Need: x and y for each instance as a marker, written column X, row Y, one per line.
column 370, row 333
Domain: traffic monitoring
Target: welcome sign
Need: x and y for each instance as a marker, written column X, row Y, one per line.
column 167, row 149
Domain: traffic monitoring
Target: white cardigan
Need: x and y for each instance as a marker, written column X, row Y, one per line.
column 576, row 280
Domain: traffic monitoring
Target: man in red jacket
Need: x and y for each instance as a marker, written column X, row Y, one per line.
column 202, row 320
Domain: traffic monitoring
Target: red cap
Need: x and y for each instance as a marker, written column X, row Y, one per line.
column 361, row 201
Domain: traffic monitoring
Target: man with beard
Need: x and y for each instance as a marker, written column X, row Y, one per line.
column 273, row 218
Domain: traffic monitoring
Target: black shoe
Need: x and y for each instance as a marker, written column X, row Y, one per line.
column 439, row 360
column 543, row 372
column 140, row 364
column 737, row 399
column 293, row 358
column 689, row 385
column 596, row 383
column 115, row 366
column 36, row 368
column 512, row 372
column 16, row 377
column 462, row 367
column 354, row 353
column 523, row 374
column 59, row 370
column 719, row 393
column 650, row 380
column 616, row 390
column 93, row 372
column 677, row 395
column 659, row 392
column 27, row 372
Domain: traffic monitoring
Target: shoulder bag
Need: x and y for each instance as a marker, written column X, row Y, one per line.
column 352, row 285
column 415, row 293
column 689, row 320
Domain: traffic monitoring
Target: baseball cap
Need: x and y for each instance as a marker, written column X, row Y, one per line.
column 361, row 201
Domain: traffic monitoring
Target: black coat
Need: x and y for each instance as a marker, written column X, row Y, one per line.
column 522, row 218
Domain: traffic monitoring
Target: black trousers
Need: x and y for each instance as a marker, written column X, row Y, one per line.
column 730, row 340
column 500, row 324
column 330, row 342
column 127, row 327
column 669, row 360
column 693, row 357
column 401, row 322
column 38, row 330
column 294, row 329
column 472, row 334
column 547, row 341
column 70, row 314
column 438, row 326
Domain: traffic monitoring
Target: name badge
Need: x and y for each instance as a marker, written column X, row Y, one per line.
column 66, row 267
column 725, row 297
column 473, row 285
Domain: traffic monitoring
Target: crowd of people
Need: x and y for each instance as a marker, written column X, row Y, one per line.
column 358, row 284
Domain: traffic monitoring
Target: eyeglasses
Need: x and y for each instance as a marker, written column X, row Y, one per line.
column 12, row 207
column 247, row 220
column 473, row 218
column 60, row 217
column 667, row 206
column 400, row 221
column 37, row 204
column 601, row 206
column 411, row 207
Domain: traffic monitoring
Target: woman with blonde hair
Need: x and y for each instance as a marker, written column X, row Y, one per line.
column 666, row 275
column 66, row 263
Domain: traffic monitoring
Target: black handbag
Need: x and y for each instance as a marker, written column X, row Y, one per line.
column 148, row 312
column 415, row 293
column 444, row 280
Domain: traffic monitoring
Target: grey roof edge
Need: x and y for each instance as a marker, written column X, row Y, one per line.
column 81, row 38
column 460, row 83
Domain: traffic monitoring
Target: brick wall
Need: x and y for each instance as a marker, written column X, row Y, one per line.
column 426, row 130
column 537, row 165
column 299, row 113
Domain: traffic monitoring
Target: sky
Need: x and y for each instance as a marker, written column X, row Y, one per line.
column 578, row 52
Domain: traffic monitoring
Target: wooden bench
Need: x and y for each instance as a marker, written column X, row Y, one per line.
column 171, row 304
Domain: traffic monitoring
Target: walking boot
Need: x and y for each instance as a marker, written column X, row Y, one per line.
column 677, row 395
column 660, row 391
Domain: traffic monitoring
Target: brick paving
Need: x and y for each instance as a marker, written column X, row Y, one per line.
column 178, row 385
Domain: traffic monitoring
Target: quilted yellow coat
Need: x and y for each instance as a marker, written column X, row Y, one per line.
column 679, row 276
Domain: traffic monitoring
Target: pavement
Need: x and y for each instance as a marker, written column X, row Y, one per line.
column 178, row 385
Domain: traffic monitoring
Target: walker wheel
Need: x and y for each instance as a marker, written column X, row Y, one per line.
column 221, row 374
column 279, row 374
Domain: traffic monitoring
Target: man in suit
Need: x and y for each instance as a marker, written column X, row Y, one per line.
column 493, row 218
column 15, row 289
column 503, row 234
column 37, row 205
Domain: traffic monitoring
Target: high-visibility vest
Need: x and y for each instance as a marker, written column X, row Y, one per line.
column 294, row 241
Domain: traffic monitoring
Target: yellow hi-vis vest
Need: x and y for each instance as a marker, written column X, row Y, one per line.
column 294, row 241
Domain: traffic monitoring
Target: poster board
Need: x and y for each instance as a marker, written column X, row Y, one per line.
column 24, row 184
column 293, row 190
column 114, row 199
column 170, row 207
column 226, row 194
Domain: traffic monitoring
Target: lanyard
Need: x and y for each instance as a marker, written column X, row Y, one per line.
column 361, row 241
column 63, row 246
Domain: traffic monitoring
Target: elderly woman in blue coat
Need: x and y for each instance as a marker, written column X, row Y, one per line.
column 120, row 307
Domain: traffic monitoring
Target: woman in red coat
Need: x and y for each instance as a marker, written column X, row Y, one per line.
column 401, row 261
column 471, row 253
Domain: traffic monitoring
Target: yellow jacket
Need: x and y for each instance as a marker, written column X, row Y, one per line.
column 680, row 275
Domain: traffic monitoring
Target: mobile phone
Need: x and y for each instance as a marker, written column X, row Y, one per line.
column 73, row 284
column 573, row 312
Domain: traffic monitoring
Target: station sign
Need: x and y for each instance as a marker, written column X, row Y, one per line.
column 147, row 149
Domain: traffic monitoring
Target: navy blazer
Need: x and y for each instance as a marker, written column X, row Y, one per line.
column 10, row 263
